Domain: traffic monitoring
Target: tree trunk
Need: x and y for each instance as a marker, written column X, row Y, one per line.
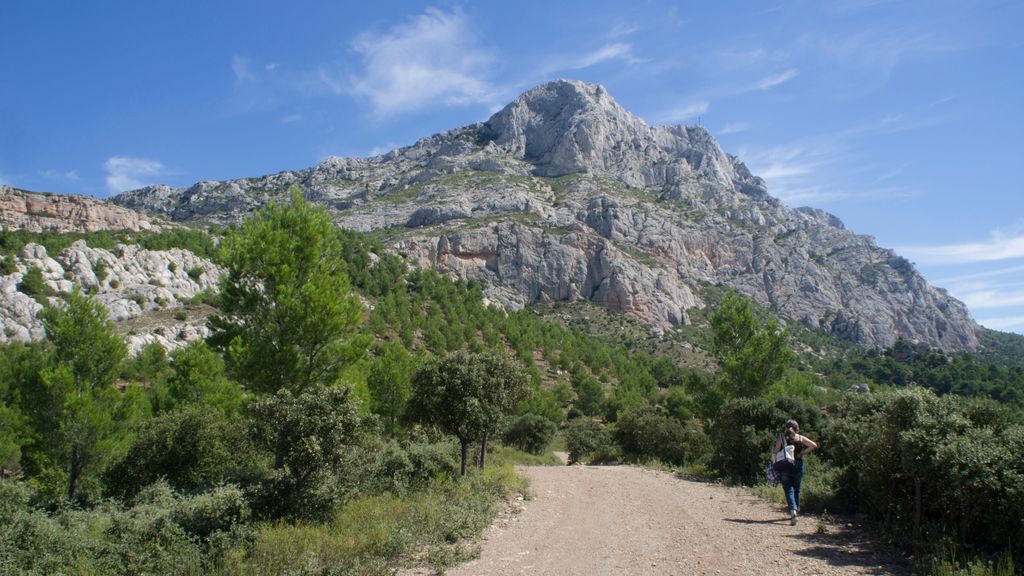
column 75, row 471
column 483, row 450
column 465, row 454
column 279, row 448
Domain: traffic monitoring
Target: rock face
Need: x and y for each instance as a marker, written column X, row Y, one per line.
column 129, row 281
column 65, row 213
column 564, row 195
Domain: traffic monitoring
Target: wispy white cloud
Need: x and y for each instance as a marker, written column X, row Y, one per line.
column 734, row 128
column 998, row 247
column 774, row 80
column 621, row 29
column 242, row 68
column 612, row 51
column 749, row 58
column 125, row 173
column 435, row 58
column 615, row 51
column 292, row 118
column 877, row 50
column 985, row 299
column 1005, row 323
column 68, row 175
column 684, row 112
column 971, row 280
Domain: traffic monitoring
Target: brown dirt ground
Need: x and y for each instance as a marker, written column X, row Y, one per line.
column 597, row 520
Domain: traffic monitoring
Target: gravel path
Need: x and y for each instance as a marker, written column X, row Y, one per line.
column 597, row 520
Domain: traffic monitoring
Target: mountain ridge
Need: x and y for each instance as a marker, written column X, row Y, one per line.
column 564, row 195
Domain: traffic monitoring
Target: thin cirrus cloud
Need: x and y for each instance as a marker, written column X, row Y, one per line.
column 124, row 173
column 734, row 128
column 615, row 51
column 769, row 82
column 684, row 112
column 69, row 175
column 242, row 69
column 1004, row 323
column 998, row 247
column 431, row 59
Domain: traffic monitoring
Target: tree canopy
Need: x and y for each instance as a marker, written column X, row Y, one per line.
column 286, row 308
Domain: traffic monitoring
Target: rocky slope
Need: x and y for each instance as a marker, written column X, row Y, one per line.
column 21, row 210
column 134, row 284
column 564, row 195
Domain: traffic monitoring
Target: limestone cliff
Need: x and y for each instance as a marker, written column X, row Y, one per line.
column 565, row 195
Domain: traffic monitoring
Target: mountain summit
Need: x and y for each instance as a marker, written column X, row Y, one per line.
column 566, row 127
column 564, row 195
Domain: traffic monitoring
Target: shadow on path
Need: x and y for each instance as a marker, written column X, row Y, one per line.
column 850, row 547
column 779, row 521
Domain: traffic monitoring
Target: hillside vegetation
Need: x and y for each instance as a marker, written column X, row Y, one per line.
column 331, row 423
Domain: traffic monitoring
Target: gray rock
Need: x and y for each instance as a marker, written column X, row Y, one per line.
column 564, row 195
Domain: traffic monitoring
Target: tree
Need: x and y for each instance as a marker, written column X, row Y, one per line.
column 467, row 395
column 86, row 359
column 287, row 311
column 389, row 383
column 751, row 354
column 197, row 377
column 310, row 434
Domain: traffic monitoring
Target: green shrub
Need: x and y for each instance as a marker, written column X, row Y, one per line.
column 911, row 447
column 587, row 441
column 33, row 284
column 195, row 273
column 7, row 265
column 163, row 534
column 311, row 435
column 191, row 449
column 743, row 434
column 646, row 432
column 530, row 432
column 101, row 270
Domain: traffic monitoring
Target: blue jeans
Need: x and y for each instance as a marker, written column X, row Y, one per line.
column 791, row 484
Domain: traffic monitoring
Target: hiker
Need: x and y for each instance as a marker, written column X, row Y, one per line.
column 792, row 476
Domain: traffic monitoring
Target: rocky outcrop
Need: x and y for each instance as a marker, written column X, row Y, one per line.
column 131, row 282
column 564, row 195
column 21, row 210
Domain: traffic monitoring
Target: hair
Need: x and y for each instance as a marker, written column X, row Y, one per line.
column 792, row 425
column 790, row 436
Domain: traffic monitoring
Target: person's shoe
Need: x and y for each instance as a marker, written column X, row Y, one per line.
column 792, row 518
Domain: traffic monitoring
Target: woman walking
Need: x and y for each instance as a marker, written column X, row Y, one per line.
column 792, row 476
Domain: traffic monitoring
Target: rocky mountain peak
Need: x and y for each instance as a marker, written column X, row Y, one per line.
column 646, row 218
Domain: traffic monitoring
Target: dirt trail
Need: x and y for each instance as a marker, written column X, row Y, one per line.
column 597, row 520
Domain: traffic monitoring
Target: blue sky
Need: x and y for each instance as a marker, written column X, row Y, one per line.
column 902, row 118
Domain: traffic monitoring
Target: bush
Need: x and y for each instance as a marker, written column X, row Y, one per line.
column 744, row 433
column 163, row 534
column 33, row 284
column 530, row 432
column 192, row 449
column 588, row 441
column 646, row 432
column 911, row 446
column 396, row 466
column 311, row 435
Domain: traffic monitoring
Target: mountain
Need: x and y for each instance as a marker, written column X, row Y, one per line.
column 564, row 195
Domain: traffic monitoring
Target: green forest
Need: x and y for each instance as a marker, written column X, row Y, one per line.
column 350, row 414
